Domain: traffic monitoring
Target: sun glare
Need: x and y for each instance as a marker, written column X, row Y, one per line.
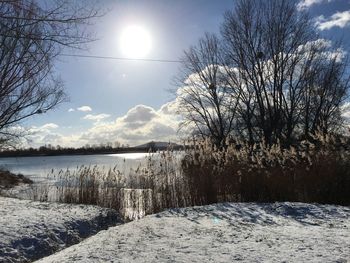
column 135, row 42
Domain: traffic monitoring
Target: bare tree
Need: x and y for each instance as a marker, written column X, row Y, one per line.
column 32, row 35
column 204, row 100
column 273, row 48
column 326, row 88
column 270, row 78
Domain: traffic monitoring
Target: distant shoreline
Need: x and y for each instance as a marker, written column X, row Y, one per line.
column 73, row 152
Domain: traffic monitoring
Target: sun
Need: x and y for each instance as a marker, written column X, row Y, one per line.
column 135, row 42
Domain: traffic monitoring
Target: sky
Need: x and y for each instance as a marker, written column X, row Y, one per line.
column 132, row 101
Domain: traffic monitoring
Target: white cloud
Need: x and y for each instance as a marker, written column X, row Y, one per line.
column 44, row 128
column 140, row 113
column 41, row 138
column 139, row 125
column 320, row 43
column 339, row 19
column 305, row 4
column 45, row 134
column 326, row 49
column 49, row 126
column 71, row 109
column 84, row 108
column 96, row 117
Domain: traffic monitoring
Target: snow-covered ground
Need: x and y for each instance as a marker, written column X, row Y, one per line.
column 31, row 230
column 229, row 232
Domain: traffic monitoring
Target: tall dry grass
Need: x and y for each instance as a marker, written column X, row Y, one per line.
column 312, row 171
column 146, row 189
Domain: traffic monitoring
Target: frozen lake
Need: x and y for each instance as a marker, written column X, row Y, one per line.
column 39, row 167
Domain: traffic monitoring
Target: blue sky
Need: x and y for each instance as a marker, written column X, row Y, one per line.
column 126, row 101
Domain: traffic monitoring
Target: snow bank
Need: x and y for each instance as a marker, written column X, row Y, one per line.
column 229, row 232
column 31, row 230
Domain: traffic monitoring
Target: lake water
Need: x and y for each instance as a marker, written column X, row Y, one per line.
column 38, row 167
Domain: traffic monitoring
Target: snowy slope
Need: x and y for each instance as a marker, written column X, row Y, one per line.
column 31, row 230
column 279, row 232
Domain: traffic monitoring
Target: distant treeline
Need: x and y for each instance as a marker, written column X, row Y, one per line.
column 52, row 151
